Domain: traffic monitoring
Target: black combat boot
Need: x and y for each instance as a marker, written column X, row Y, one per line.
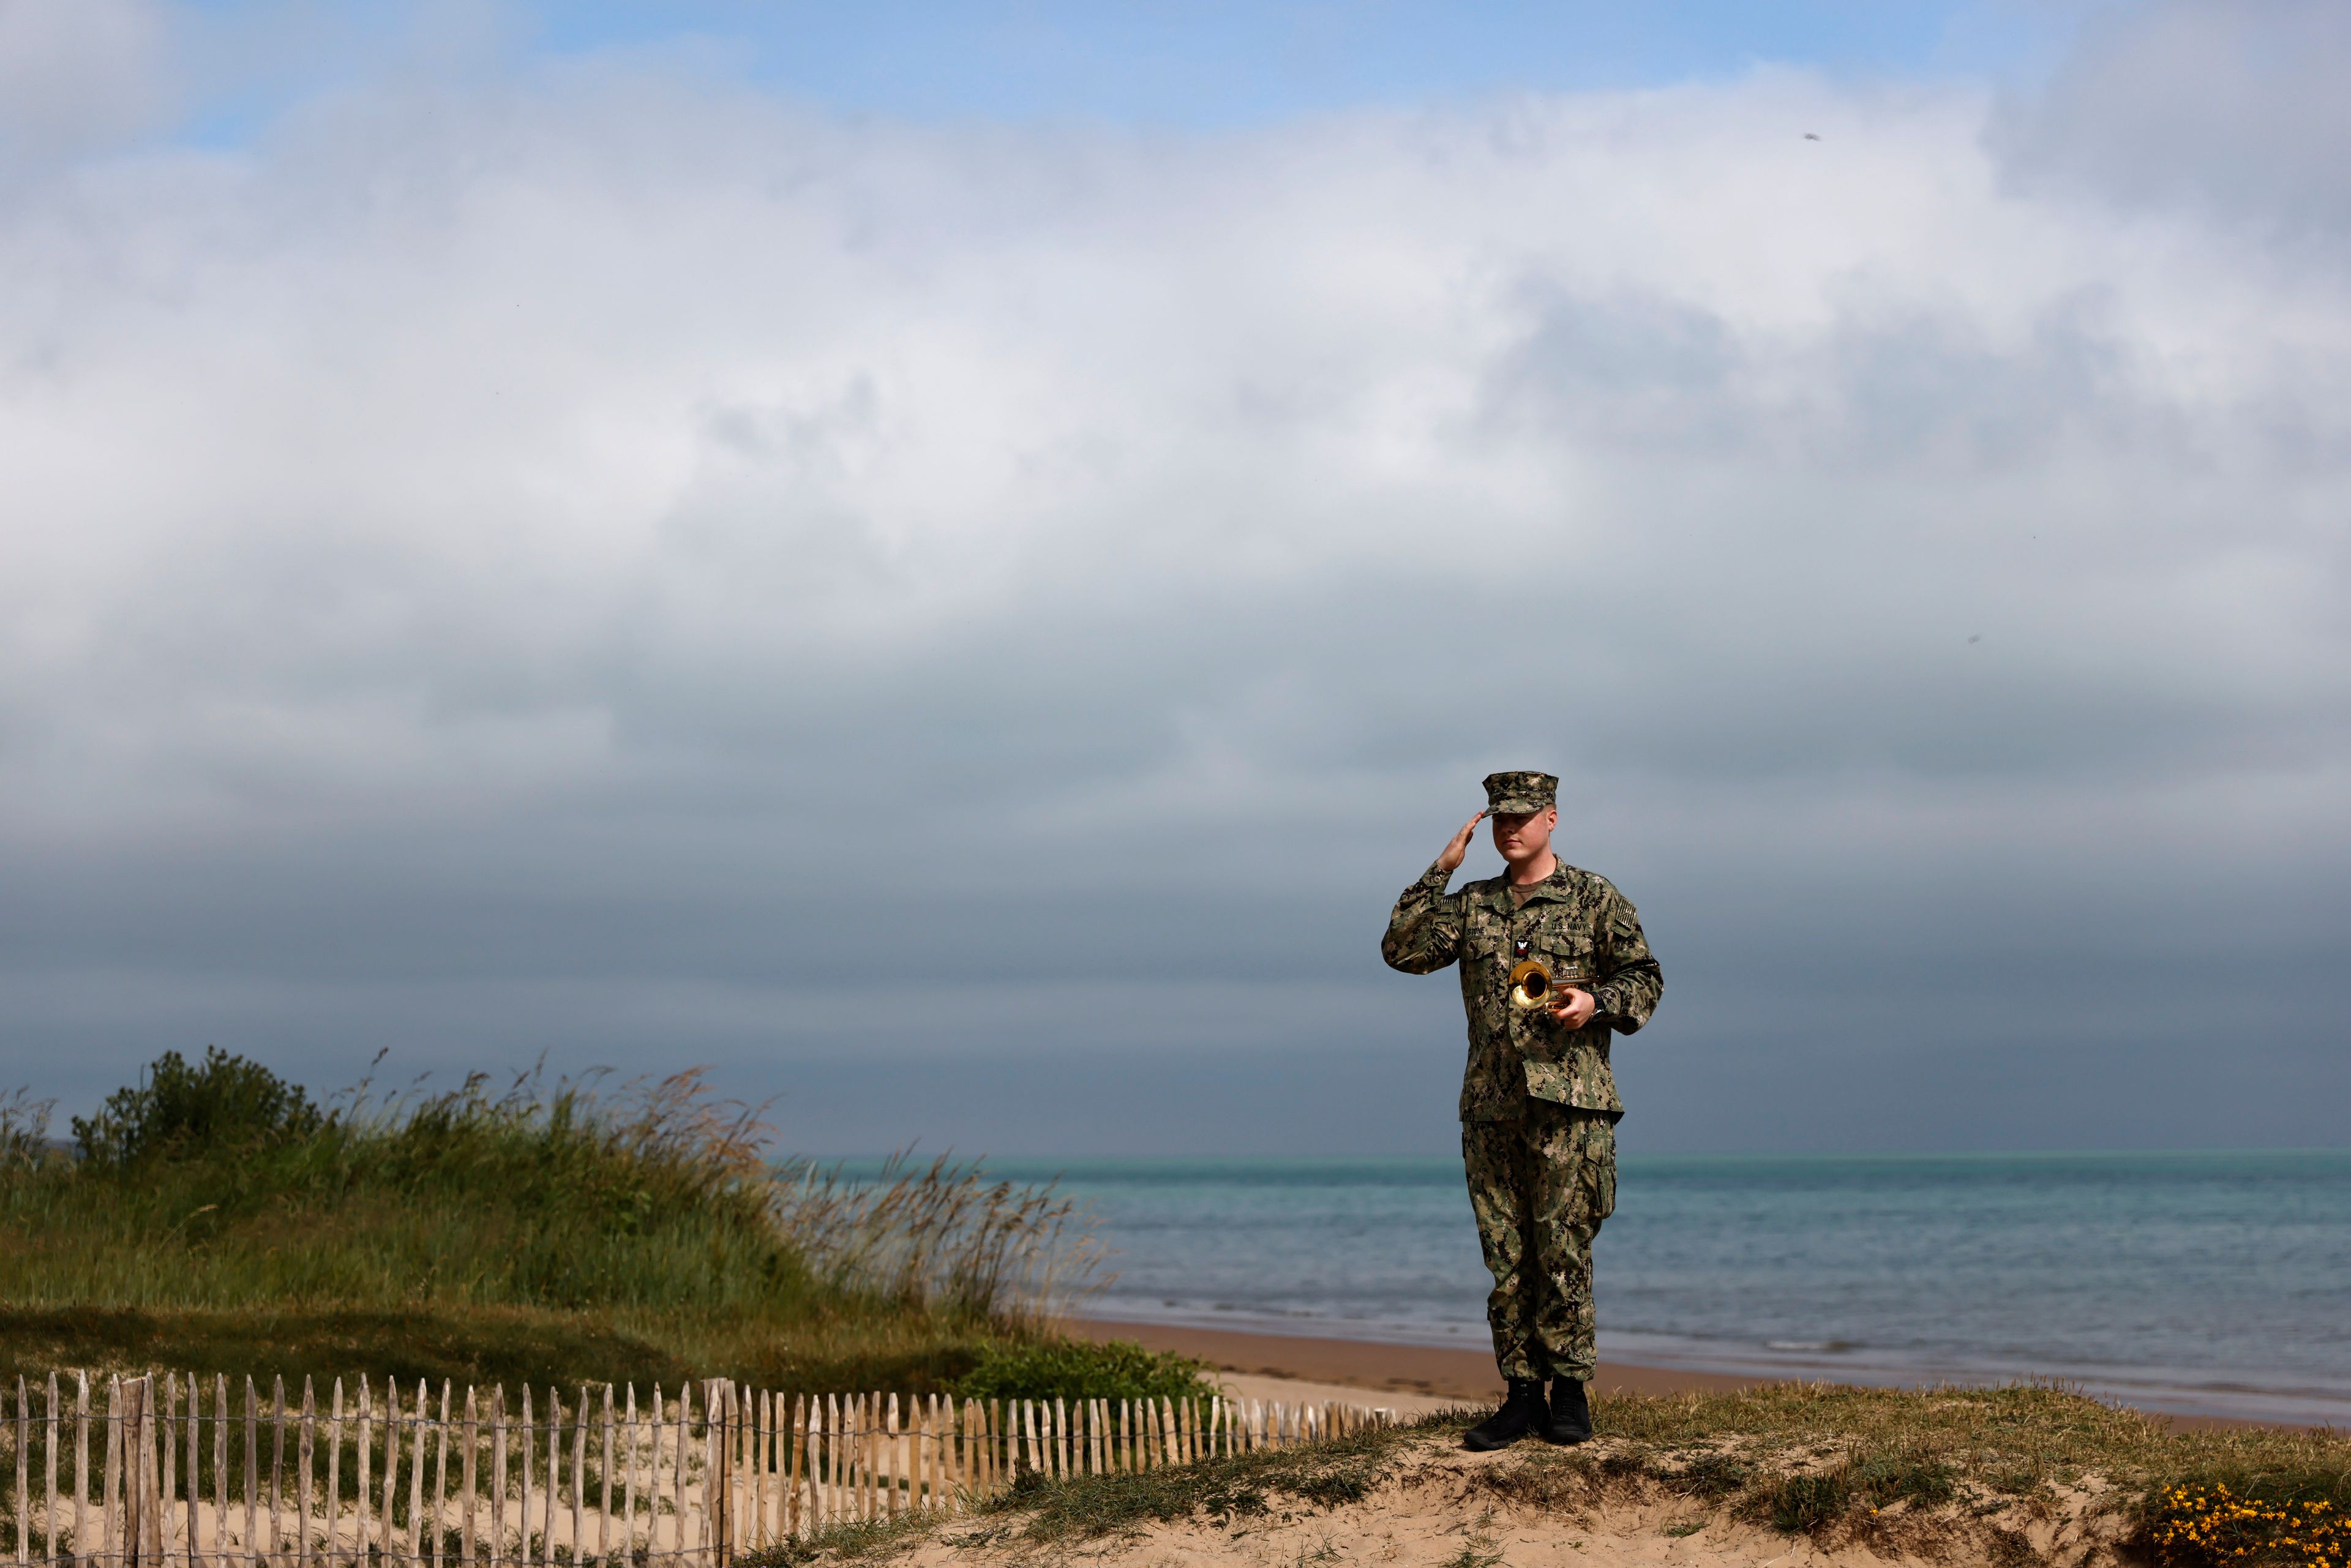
column 1521, row 1413
column 1571, row 1414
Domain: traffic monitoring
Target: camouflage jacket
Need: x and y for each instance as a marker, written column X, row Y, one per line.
column 1577, row 924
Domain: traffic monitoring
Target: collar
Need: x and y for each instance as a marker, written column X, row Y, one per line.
column 1553, row 886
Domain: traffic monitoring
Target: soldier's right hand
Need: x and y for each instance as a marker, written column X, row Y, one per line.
column 1454, row 852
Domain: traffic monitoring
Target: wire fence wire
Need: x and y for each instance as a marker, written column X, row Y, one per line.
column 149, row 1473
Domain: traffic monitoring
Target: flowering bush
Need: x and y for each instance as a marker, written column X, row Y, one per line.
column 2212, row 1525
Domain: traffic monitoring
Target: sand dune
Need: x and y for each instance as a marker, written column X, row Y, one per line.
column 1448, row 1509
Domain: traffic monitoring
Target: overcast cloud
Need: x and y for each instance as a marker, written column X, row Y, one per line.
column 967, row 629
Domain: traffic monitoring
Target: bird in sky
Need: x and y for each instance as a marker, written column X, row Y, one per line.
column 1811, row 136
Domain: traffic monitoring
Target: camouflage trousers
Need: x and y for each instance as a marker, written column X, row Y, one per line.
column 1541, row 1186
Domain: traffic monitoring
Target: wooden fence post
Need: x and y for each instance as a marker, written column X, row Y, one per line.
column 578, row 1483
column 110, row 1483
column 416, row 1430
column 306, row 1465
column 628, row 1476
column 530, row 1419
column 123, row 1519
column 391, row 1470
column 363, row 1470
column 53, row 1430
column 833, row 1456
column 167, row 1421
column 465, row 1516
column 713, row 1478
column 220, row 1469
column 653, row 1477
column 552, row 1496
column 604, row 1475
column 24, row 1471
column 684, row 1420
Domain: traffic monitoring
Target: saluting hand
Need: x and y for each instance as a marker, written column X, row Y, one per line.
column 1455, row 852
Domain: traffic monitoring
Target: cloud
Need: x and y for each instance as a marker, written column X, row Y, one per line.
column 605, row 559
column 2230, row 110
column 78, row 73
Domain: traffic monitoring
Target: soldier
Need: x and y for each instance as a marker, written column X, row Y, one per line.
column 1539, row 1106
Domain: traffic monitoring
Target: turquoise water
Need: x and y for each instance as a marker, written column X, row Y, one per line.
column 2212, row 1283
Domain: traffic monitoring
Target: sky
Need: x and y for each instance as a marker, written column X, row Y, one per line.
column 948, row 562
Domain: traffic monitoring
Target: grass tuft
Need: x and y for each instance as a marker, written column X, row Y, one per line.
column 1711, row 1476
column 854, row 1541
column 1801, row 1505
column 1881, row 1480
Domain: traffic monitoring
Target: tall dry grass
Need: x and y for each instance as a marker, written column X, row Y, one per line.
column 942, row 1236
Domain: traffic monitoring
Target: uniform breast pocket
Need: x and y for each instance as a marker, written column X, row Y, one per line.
column 1567, row 954
column 1483, row 937
column 1565, row 928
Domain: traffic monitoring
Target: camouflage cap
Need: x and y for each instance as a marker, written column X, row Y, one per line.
column 1519, row 794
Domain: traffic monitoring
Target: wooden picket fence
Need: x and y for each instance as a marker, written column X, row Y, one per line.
column 689, row 1480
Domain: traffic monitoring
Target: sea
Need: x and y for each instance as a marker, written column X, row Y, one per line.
column 2201, row 1283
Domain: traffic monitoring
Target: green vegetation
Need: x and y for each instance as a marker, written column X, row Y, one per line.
column 2194, row 1524
column 1905, row 1468
column 1973, row 1474
column 1226, row 1490
column 178, row 1112
column 1223, row 1489
column 213, row 1217
column 1075, row 1371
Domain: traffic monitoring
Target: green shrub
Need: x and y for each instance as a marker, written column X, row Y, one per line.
column 2202, row 1527
column 227, row 1103
column 1072, row 1369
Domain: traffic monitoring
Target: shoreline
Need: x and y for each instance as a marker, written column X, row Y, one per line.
column 1432, row 1375
column 1422, row 1371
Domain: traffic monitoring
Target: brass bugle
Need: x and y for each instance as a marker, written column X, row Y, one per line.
column 1532, row 985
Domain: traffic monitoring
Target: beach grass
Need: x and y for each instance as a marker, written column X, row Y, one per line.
column 213, row 1217
column 1039, row 1510
column 1330, row 1473
column 1975, row 1474
column 1906, row 1467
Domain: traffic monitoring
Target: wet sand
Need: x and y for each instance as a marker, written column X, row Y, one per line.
column 1431, row 1372
column 1466, row 1375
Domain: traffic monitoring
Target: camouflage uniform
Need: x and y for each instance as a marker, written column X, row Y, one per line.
column 1539, row 1105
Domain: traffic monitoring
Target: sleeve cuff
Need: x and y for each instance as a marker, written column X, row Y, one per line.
column 1434, row 879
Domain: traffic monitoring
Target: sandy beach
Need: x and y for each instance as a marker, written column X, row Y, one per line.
column 1447, row 1511
column 1429, row 1374
column 1414, row 1379
column 1444, row 1508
